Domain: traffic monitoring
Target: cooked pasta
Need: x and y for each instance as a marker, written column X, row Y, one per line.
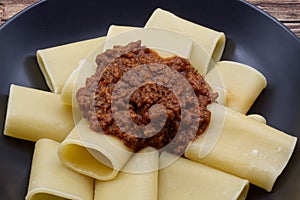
column 50, row 179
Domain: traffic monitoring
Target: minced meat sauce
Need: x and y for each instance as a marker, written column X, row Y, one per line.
column 95, row 98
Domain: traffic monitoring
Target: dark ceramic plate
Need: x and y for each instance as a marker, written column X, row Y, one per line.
column 253, row 38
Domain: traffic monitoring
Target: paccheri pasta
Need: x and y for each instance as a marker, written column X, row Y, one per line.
column 198, row 181
column 213, row 42
column 240, row 91
column 143, row 184
column 246, row 148
column 96, row 155
column 66, row 57
column 234, row 149
column 38, row 114
column 50, row 179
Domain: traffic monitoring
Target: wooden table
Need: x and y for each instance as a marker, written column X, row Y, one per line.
column 286, row 11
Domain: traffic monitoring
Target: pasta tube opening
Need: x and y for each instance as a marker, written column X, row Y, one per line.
column 43, row 67
column 46, row 196
column 81, row 159
column 93, row 154
column 218, row 47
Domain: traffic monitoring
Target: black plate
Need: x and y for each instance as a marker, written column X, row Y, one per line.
column 253, row 38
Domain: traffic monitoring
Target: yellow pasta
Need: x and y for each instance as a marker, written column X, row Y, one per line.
column 34, row 114
column 246, row 148
column 93, row 154
column 49, row 179
column 137, row 180
column 242, row 84
column 185, row 179
column 213, row 42
column 58, row 62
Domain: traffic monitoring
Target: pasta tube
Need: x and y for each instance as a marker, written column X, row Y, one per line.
column 34, row 114
column 137, row 180
column 185, row 179
column 245, row 148
column 213, row 42
column 58, row 62
column 242, row 84
column 93, row 154
column 49, row 179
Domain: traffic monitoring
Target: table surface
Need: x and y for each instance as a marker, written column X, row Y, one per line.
column 286, row 11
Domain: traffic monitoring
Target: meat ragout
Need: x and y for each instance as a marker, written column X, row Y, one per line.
column 95, row 98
